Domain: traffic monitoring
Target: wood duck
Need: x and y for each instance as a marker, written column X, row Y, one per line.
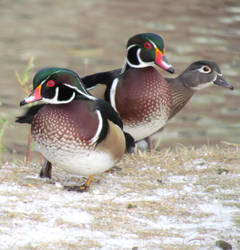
column 145, row 100
column 73, row 130
column 138, row 92
column 197, row 76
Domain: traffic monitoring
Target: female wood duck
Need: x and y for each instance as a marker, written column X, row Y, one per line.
column 138, row 92
column 199, row 75
column 74, row 130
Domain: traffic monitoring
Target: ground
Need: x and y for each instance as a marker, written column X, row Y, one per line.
column 182, row 198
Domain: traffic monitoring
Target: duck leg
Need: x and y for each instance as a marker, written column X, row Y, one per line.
column 46, row 170
column 150, row 143
column 81, row 188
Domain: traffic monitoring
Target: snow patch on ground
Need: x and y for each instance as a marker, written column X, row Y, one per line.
column 178, row 212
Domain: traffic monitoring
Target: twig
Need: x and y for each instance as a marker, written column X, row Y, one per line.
column 29, row 151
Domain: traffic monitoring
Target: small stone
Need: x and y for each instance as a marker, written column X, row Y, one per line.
column 129, row 206
column 222, row 171
column 223, row 244
column 160, row 181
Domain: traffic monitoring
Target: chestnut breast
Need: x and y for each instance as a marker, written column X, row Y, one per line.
column 64, row 123
column 141, row 93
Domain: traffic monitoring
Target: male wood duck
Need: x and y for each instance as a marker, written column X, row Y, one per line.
column 138, row 92
column 73, row 130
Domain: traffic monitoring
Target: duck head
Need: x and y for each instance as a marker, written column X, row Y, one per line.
column 202, row 74
column 147, row 49
column 56, row 86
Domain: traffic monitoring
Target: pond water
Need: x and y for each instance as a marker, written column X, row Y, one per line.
column 74, row 34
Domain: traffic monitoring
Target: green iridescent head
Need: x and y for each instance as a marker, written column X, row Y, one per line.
column 147, row 49
column 141, row 39
column 56, row 86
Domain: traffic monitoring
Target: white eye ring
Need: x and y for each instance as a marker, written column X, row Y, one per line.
column 205, row 69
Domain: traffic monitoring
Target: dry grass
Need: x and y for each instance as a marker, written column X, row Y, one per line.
column 184, row 198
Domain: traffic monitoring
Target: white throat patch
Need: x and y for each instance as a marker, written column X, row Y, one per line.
column 203, row 86
column 80, row 92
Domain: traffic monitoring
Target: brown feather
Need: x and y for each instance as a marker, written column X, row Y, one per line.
column 180, row 95
column 109, row 144
column 98, row 91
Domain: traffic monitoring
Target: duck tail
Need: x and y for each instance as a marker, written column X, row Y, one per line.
column 130, row 143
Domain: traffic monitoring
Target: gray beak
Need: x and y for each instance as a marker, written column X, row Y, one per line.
column 222, row 82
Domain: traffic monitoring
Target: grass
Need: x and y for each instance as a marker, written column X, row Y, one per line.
column 173, row 199
column 4, row 124
column 25, row 83
column 24, row 80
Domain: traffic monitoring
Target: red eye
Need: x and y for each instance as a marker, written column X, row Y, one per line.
column 147, row 45
column 50, row 83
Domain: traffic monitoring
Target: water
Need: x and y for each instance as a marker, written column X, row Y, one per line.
column 67, row 33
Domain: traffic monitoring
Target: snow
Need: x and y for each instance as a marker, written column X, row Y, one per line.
column 39, row 214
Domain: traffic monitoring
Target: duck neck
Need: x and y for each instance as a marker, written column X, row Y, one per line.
column 180, row 93
column 180, row 85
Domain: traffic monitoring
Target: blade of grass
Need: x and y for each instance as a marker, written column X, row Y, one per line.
column 26, row 90
column 24, row 80
column 24, row 83
column 2, row 130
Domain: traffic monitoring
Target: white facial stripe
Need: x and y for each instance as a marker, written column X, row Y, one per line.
column 80, row 92
column 154, row 45
column 127, row 61
column 99, row 129
column 42, row 82
column 204, row 85
column 55, row 100
column 113, row 93
column 131, row 46
column 142, row 63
